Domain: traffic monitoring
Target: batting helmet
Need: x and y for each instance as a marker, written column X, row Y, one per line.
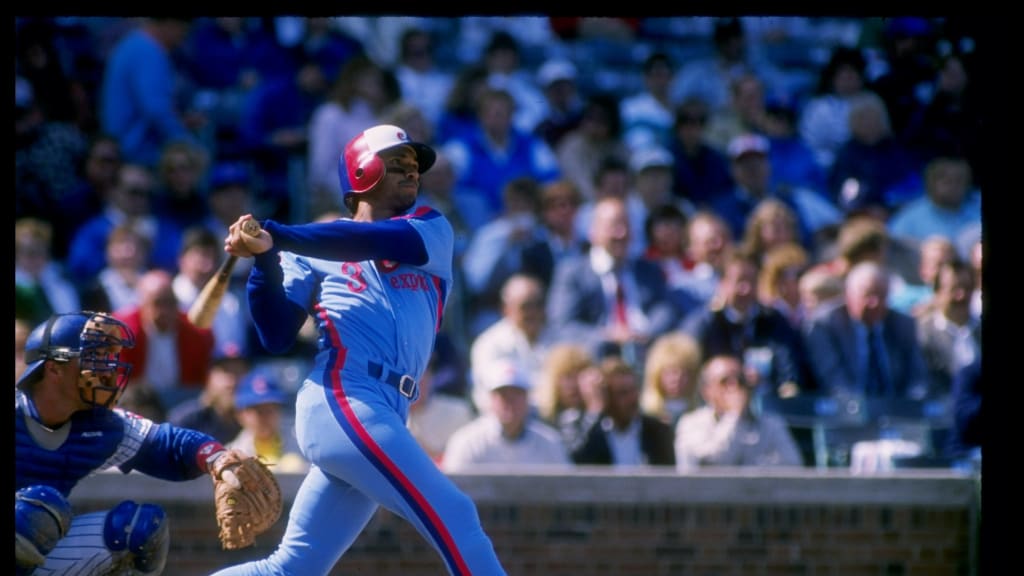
column 96, row 339
column 360, row 164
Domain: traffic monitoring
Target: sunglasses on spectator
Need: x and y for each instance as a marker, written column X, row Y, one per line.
column 532, row 304
column 560, row 203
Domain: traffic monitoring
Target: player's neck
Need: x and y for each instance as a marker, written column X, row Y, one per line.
column 367, row 212
column 53, row 406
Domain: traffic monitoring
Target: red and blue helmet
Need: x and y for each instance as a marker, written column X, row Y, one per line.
column 360, row 166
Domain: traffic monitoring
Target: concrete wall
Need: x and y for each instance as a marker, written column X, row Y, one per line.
column 592, row 521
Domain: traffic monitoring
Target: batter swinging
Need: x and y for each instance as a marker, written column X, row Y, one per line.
column 377, row 285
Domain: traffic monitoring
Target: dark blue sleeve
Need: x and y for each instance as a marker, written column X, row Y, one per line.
column 966, row 394
column 172, row 453
column 351, row 241
column 276, row 318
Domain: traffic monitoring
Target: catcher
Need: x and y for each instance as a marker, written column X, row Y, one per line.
column 66, row 427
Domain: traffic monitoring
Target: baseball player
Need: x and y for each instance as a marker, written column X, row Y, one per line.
column 377, row 285
column 65, row 428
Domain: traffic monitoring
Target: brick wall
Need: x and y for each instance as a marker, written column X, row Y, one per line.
column 592, row 522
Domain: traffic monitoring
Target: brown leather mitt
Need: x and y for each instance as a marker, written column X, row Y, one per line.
column 247, row 497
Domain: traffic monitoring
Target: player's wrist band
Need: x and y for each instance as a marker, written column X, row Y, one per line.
column 208, row 454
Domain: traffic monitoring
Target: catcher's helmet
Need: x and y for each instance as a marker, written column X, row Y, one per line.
column 95, row 338
column 362, row 168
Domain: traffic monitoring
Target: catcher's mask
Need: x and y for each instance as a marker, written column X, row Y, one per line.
column 360, row 166
column 96, row 339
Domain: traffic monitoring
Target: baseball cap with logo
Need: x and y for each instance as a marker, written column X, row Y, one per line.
column 258, row 387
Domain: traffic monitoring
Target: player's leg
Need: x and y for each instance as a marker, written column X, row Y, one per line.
column 131, row 537
column 403, row 478
column 82, row 550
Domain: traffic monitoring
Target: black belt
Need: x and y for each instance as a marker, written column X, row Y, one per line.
column 406, row 384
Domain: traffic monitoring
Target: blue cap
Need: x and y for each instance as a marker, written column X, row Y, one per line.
column 258, row 387
column 780, row 102
column 229, row 174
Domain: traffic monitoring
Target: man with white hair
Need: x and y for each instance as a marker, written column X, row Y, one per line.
column 861, row 346
column 521, row 335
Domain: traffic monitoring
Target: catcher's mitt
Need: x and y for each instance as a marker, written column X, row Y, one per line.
column 247, row 497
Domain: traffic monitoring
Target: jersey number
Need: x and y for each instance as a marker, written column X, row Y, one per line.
column 354, row 272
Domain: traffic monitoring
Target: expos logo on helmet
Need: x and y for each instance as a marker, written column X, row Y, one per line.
column 361, row 166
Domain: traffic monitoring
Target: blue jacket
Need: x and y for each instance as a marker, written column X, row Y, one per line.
column 767, row 327
column 967, row 421
column 703, row 177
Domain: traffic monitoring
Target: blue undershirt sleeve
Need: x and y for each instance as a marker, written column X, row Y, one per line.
column 277, row 319
column 351, row 241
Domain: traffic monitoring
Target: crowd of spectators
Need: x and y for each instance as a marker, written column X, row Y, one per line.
column 665, row 227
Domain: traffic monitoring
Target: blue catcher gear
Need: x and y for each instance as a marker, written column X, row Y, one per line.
column 96, row 339
column 142, row 530
column 42, row 516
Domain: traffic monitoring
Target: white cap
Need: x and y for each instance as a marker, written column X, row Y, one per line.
column 747, row 144
column 650, row 157
column 506, row 373
column 555, row 70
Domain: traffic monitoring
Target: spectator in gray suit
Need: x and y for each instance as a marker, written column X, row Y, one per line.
column 605, row 298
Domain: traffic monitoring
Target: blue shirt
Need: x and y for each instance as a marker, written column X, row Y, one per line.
column 137, row 99
column 922, row 218
column 485, row 171
column 793, row 165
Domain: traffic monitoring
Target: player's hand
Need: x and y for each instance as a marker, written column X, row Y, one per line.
column 244, row 244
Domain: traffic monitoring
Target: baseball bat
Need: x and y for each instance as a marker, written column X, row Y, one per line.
column 205, row 306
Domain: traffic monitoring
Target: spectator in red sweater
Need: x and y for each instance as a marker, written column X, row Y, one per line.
column 170, row 352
